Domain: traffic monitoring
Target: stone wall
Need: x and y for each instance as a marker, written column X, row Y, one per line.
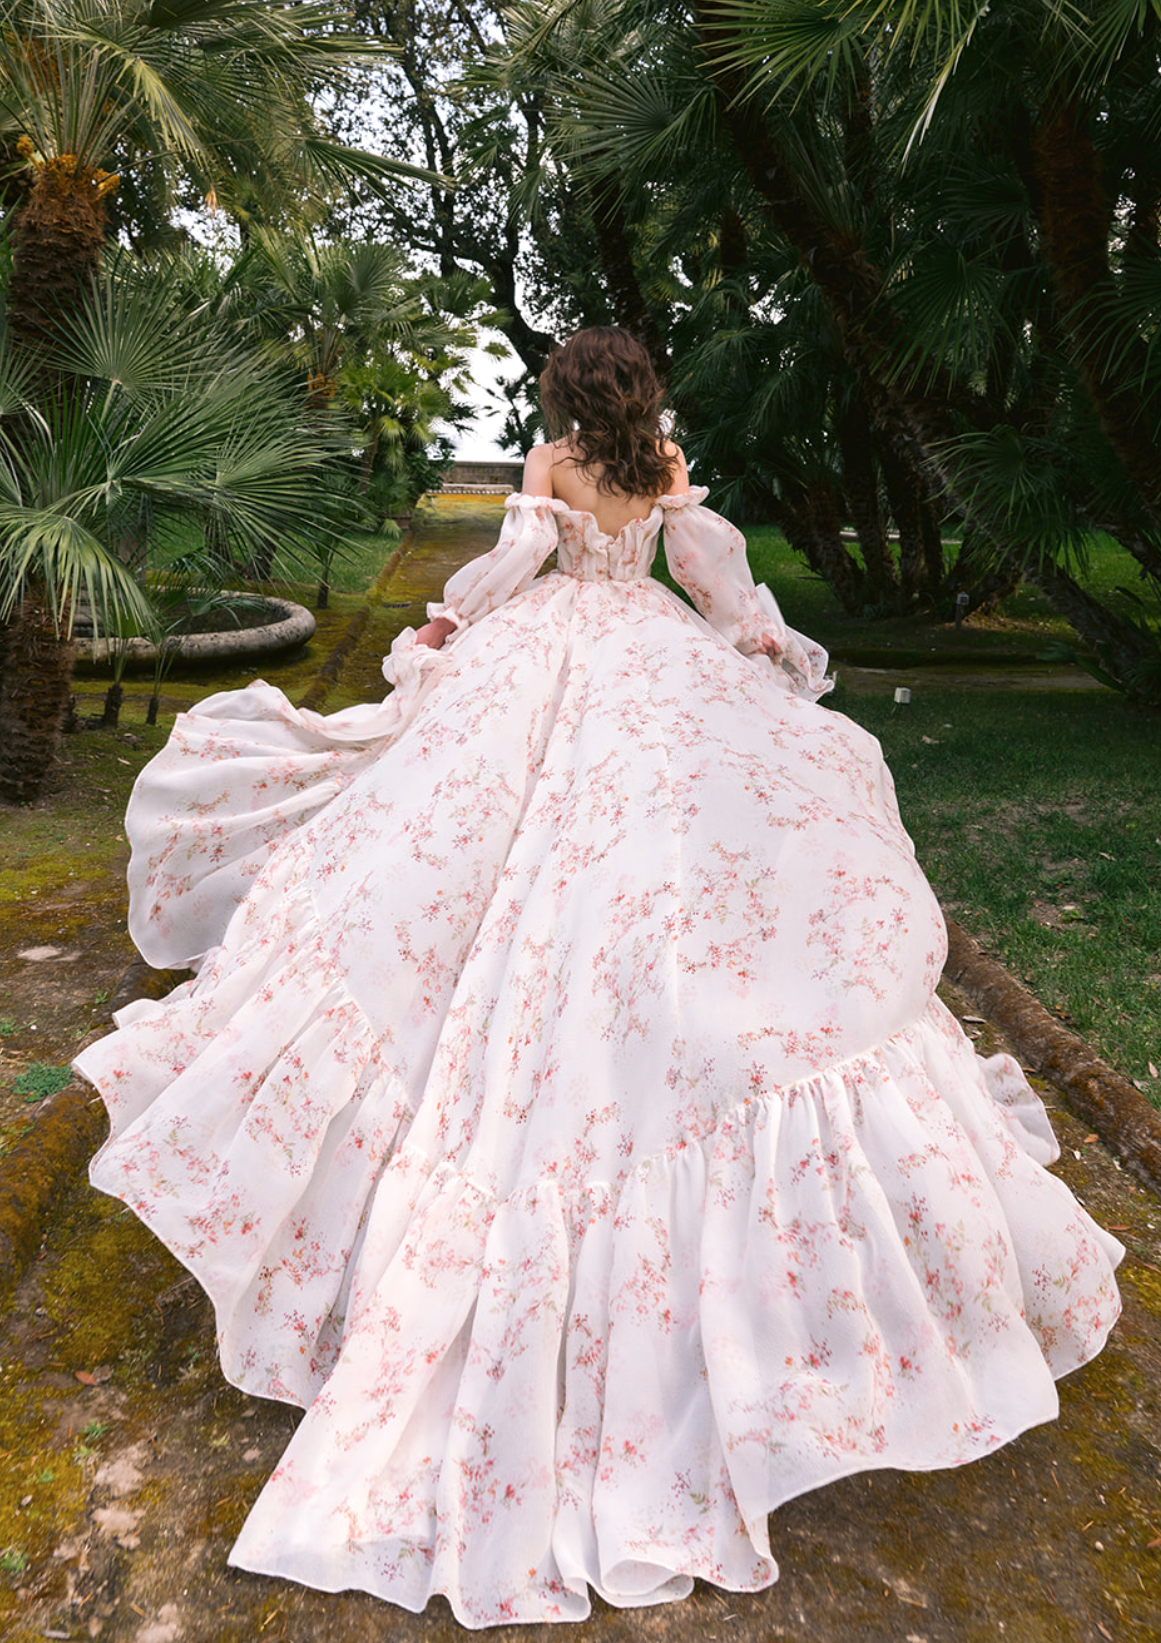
column 501, row 477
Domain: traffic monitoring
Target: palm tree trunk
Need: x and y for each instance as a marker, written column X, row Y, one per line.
column 111, row 714
column 810, row 523
column 36, row 666
column 1120, row 647
column 1075, row 211
column 60, row 230
column 860, row 487
column 977, row 574
column 615, row 252
column 920, row 572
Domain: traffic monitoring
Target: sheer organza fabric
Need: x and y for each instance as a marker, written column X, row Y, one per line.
column 562, row 1114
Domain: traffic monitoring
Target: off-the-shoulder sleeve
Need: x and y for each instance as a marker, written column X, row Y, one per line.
column 707, row 555
column 528, row 537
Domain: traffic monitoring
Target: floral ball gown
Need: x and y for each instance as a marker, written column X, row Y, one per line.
column 562, row 1113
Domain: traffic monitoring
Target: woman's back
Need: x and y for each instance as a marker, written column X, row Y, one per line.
column 555, row 470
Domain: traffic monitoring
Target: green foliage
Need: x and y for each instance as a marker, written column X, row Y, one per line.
column 215, row 97
column 901, row 260
column 380, row 352
column 162, row 417
column 42, row 1079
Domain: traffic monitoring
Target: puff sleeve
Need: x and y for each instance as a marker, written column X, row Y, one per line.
column 707, row 555
column 528, row 537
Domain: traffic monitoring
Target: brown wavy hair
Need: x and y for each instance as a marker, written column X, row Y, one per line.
column 600, row 390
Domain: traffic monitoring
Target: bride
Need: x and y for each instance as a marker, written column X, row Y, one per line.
column 562, row 1113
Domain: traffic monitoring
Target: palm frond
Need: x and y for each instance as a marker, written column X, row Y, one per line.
column 62, row 554
column 951, row 307
column 321, row 161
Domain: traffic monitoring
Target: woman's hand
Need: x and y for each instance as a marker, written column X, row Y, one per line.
column 432, row 634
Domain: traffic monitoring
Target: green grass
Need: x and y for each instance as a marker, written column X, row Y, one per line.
column 1024, row 623
column 356, row 562
column 1035, row 816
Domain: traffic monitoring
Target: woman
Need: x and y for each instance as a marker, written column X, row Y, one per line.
column 562, row 1113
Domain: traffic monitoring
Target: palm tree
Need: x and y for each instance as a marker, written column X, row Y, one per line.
column 384, row 349
column 964, row 188
column 195, row 94
column 212, row 97
column 159, row 415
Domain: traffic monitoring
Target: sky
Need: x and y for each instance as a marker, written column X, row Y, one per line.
column 478, row 443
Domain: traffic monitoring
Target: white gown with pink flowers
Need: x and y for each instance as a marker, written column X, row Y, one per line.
column 562, row 1114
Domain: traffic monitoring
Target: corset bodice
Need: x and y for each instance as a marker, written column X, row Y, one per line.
column 585, row 551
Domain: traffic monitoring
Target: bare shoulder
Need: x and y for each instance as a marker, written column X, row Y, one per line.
column 538, row 466
column 679, row 483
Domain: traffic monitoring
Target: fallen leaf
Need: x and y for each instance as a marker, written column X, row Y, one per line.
column 85, row 1378
column 1152, row 1070
column 976, row 1020
column 1089, row 1139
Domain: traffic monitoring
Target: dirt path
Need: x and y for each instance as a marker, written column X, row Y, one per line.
column 127, row 1465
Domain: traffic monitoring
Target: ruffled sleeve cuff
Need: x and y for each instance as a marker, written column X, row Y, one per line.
column 802, row 659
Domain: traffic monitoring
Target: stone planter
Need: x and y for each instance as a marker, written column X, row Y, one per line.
column 290, row 625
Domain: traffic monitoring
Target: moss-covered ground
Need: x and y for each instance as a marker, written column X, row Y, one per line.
column 127, row 1465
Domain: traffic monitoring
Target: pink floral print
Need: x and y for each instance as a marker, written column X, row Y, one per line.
column 562, row 1114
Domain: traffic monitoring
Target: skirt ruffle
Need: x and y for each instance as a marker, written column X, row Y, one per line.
column 514, row 1399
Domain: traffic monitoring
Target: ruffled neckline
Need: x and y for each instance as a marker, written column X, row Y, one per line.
column 664, row 504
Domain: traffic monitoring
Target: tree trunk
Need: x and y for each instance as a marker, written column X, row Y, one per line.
column 908, row 508
column 976, row 573
column 1120, row 647
column 111, row 715
column 1075, row 215
column 36, row 664
column 615, row 250
column 861, row 489
column 810, row 523
column 60, row 230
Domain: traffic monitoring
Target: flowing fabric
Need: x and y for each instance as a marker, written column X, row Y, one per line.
column 562, row 1113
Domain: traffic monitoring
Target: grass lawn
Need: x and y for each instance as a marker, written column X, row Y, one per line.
column 1024, row 623
column 1035, row 816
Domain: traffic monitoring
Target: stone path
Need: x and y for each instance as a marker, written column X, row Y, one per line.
column 127, row 1465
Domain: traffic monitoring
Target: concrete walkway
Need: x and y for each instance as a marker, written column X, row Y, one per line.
column 127, row 1465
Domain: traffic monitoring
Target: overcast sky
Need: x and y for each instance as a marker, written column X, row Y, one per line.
column 478, row 443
